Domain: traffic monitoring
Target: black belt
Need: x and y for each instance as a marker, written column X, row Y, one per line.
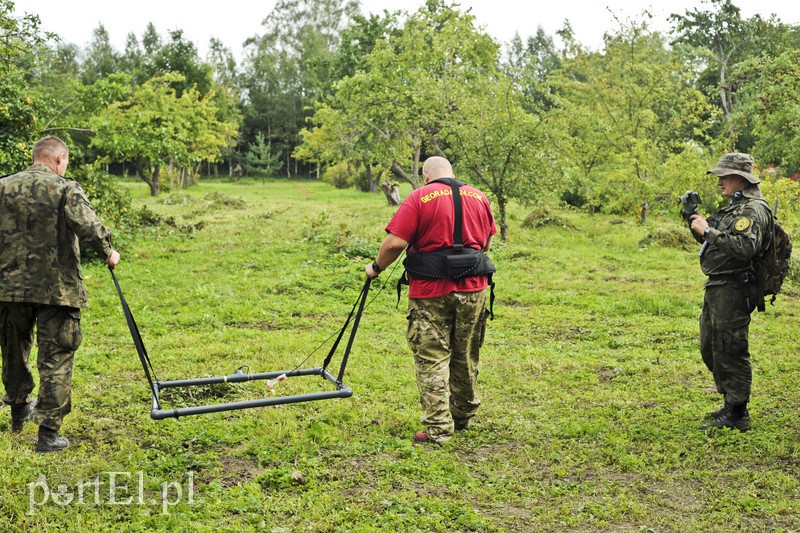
column 744, row 277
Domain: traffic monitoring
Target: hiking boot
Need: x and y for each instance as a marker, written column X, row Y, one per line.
column 713, row 415
column 49, row 441
column 421, row 437
column 461, row 426
column 21, row 414
column 732, row 417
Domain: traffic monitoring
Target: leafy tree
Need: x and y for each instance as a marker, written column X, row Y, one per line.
column 287, row 67
column 774, row 87
column 221, row 59
column 22, row 106
column 398, row 103
column 180, row 55
column 719, row 38
column 155, row 127
column 100, row 58
column 623, row 111
column 499, row 146
column 530, row 64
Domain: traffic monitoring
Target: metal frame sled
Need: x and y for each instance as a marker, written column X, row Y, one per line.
column 156, row 386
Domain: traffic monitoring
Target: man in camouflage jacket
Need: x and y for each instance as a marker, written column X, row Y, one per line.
column 42, row 218
column 733, row 237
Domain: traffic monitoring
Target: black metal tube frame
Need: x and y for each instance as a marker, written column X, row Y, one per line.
column 157, row 413
column 156, row 386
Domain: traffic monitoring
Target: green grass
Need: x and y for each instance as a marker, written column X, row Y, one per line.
column 591, row 381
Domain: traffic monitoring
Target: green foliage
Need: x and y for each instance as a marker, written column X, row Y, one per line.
column 623, row 115
column 22, row 107
column 113, row 205
column 772, row 86
column 260, row 159
column 338, row 175
column 717, row 40
column 288, row 66
column 155, row 127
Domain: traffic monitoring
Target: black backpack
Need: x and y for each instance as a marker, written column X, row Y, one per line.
column 772, row 265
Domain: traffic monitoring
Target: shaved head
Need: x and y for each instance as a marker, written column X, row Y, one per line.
column 436, row 167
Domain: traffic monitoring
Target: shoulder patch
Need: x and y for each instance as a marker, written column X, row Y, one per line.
column 742, row 224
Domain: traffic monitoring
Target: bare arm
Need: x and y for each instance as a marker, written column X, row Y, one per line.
column 488, row 244
column 391, row 248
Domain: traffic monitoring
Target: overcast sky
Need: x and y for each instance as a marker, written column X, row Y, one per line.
column 233, row 21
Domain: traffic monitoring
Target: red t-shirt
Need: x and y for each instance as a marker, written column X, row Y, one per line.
column 425, row 220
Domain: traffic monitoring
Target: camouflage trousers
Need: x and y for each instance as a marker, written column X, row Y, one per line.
column 58, row 333
column 724, row 342
column 446, row 334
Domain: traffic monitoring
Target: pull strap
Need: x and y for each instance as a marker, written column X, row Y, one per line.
column 137, row 341
column 355, row 316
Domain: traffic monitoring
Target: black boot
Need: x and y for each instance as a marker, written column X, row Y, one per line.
column 49, row 441
column 716, row 414
column 732, row 417
column 21, row 414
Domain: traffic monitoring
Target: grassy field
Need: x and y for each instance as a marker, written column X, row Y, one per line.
column 591, row 381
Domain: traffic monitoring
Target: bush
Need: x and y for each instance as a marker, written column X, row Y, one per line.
column 112, row 205
column 670, row 236
column 542, row 217
column 337, row 175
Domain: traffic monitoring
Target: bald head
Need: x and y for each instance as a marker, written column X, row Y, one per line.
column 436, row 167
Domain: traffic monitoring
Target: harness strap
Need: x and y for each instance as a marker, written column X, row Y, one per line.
column 458, row 239
column 137, row 341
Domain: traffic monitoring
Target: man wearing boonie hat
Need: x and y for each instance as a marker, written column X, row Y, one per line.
column 732, row 237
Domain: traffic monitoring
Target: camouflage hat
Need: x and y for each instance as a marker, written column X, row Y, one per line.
column 738, row 164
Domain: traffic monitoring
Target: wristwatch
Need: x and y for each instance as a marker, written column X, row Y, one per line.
column 706, row 230
column 375, row 267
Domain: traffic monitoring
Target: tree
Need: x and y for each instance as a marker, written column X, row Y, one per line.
column 22, row 106
column 287, row 67
column 100, row 58
column 499, row 146
column 261, row 159
column 772, row 87
column 395, row 107
column 155, row 127
column 530, row 64
column 624, row 111
column 720, row 38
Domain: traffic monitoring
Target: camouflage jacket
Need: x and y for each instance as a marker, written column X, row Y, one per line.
column 42, row 218
column 740, row 231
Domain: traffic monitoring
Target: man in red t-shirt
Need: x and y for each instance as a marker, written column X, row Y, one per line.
column 447, row 317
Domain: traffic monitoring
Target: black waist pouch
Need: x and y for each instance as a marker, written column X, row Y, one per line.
column 448, row 263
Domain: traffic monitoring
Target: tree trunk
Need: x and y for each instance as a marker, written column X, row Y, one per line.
column 372, row 184
column 154, row 187
column 392, row 192
column 501, row 208
column 400, row 173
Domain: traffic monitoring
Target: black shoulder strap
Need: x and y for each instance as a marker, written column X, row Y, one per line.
column 458, row 238
column 458, row 212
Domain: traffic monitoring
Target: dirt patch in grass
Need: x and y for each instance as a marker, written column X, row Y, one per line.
column 238, row 471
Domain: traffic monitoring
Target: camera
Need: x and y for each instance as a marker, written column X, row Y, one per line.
column 690, row 200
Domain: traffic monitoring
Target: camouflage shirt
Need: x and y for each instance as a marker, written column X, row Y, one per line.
column 740, row 231
column 42, row 218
